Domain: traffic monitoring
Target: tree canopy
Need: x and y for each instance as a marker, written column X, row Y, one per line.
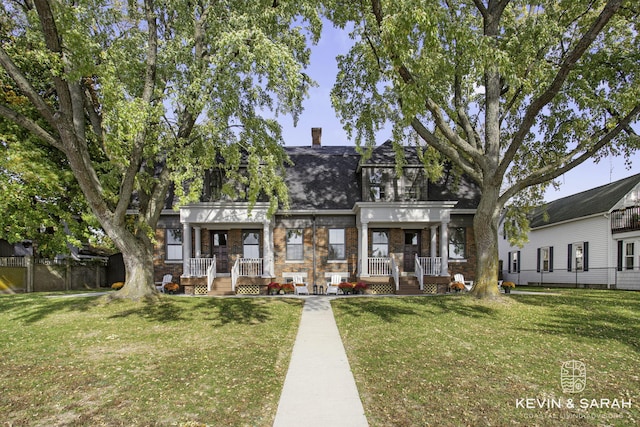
column 513, row 93
column 143, row 94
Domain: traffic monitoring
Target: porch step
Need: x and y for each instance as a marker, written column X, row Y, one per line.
column 408, row 286
column 221, row 286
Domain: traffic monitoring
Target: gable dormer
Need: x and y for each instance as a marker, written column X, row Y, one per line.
column 381, row 182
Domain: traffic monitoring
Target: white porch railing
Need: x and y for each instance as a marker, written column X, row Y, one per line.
column 211, row 274
column 198, row 267
column 395, row 272
column 13, row 262
column 379, row 266
column 245, row 267
column 419, row 272
column 431, row 266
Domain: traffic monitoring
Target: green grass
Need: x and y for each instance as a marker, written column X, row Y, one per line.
column 454, row 360
column 184, row 361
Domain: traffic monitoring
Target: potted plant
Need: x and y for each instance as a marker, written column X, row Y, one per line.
column 286, row 288
column 171, row 288
column 117, row 286
column 346, row 287
column 456, row 286
column 360, row 288
column 273, row 288
column 507, row 286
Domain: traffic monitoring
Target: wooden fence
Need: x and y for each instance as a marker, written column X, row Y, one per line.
column 29, row 274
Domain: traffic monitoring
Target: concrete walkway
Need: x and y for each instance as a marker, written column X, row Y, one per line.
column 319, row 389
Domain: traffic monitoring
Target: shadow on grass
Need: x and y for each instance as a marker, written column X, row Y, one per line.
column 391, row 309
column 31, row 309
column 247, row 311
column 597, row 315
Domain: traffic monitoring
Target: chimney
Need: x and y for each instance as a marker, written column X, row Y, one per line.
column 316, row 134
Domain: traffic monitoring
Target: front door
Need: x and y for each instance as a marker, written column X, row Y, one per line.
column 411, row 248
column 220, row 250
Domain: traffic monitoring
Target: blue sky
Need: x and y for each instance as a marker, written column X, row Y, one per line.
column 318, row 112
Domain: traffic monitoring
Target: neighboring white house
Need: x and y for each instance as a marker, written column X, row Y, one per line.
column 589, row 239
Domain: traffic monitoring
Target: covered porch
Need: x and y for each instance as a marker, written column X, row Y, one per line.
column 226, row 241
column 376, row 259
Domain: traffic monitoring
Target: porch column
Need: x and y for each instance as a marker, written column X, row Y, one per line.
column 186, row 249
column 198, row 242
column 434, row 242
column 363, row 248
column 267, row 243
column 444, row 247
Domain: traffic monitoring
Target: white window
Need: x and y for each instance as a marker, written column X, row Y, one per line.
column 173, row 241
column 251, row 244
column 337, row 249
column 545, row 259
column 295, row 249
column 629, row 255
column 380, row 244
column 579, row 256
column 514, row 262
column 457, row 243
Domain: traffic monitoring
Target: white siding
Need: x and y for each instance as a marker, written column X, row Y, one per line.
column 594, row 230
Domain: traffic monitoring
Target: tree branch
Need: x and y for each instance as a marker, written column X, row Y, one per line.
column 18, row 77
column 568, row 161
column 128, row 180
column 566, row 66
column 29, row 125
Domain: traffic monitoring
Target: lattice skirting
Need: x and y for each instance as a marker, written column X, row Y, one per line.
column 248, row 289
column 430, row 288
column 380, row 288
column 200, row 290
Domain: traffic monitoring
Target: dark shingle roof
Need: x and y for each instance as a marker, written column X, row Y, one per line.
column 323, row 177
column 597, row 200
column 385, row 154
column 327, row 177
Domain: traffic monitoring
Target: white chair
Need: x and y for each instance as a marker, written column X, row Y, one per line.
column 300, row 286
column 332, row 286
column 468, row 284
column 165, row 279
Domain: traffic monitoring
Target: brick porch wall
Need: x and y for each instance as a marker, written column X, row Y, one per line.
column 160, row 266
column 323, row 264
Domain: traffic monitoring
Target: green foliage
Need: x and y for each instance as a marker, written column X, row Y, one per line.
column 141, row 95
column 428, row 65
column 511, row 93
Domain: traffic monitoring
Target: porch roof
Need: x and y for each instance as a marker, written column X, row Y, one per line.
column 394, row 214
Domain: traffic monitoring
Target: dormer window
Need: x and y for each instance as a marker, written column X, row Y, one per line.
column 382, row 184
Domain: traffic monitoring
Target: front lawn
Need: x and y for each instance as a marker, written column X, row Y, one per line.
column 454, row 360
column 75, row 361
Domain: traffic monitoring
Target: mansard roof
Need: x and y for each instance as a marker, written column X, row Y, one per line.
column 598, row 200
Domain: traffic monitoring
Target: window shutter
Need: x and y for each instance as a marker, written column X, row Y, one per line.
column 585, row 256
column 518, row 262
column 538, row 261
column 569, row 256
column 509, row 262
column 620, row 255
column 550, row 259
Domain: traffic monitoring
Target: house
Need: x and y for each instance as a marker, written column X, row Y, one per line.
column 589, row 239
column 349, row 216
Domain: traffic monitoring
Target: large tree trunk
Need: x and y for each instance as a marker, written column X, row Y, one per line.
column 485, row 224
column 138, row 262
